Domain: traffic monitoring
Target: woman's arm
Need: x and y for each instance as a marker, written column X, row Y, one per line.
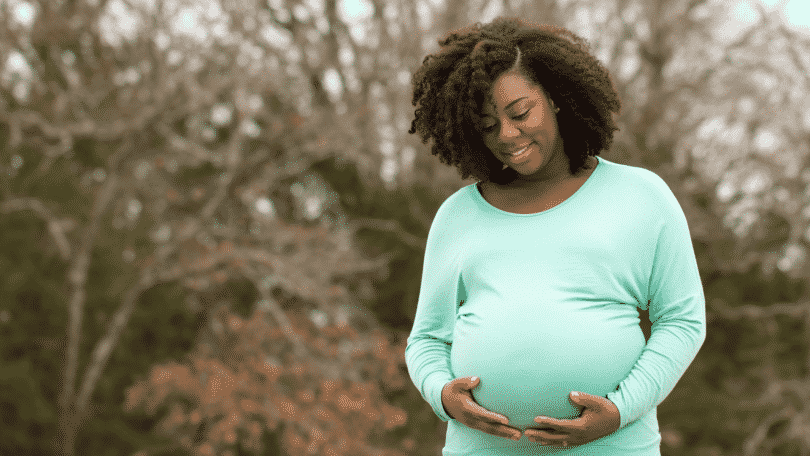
column 427, row 353
column 677, row 309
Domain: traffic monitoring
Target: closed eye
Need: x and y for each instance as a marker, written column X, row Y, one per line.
column 520, row 117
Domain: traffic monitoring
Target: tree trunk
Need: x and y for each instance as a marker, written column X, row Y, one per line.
column 65, row 444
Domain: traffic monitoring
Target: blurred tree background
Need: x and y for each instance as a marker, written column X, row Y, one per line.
column 206, row 249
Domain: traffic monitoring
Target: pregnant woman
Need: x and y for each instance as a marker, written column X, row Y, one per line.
column 526, row 338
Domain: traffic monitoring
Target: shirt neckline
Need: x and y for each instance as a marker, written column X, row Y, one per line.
column 480, row 197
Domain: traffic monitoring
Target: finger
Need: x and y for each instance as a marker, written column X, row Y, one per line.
column 497, row 430
column 562, row 444
column 547, row 421
column 494, row 418
column 471, row 383
column 546, row 434
column 545, row 439
column 486, row 415
column 558, row 425
column 500, row 429
column 504, row 431
column 490, row 425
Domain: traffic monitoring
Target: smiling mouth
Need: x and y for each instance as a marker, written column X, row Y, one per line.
column 519, row 154
column 518, row 149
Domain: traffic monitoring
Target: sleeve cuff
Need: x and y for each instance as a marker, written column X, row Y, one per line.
column 436, row 402
column 622, row 414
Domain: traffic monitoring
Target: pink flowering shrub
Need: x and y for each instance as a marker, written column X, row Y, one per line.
column 249, row 380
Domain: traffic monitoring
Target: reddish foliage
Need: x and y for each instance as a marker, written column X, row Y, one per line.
column 295, row 120
column 331, row 402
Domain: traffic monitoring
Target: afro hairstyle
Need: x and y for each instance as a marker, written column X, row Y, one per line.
column 452, row 85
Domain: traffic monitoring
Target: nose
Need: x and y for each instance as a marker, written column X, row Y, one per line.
column 507, row 127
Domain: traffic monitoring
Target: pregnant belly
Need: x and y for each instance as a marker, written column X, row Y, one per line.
column 529, row 364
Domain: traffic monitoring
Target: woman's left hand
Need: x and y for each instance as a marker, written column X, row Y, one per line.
column 599, row 418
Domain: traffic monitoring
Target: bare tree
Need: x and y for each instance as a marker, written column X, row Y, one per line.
column 182, row 141
column 133, row 120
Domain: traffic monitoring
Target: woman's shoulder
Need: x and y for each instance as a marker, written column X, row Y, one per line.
column 460, row 200
column 640, row 184
column 633, row 175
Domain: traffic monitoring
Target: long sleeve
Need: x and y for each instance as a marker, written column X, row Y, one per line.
column 677, row 312
column 427, row 354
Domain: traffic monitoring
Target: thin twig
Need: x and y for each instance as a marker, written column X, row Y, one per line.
column 721, row 311
column 103, row 349
column 753, row 445
column 388, row 225
column 277, row 312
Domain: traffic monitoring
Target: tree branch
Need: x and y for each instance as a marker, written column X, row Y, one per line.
column 234, row 158
column 107, row 132
column 77, row 277
column 751, row 312
column 55, row 227
column 182, row 144
column 388, row 225
column 277, row 312
column 752, row 445
column 103, row 349
column 793, row 38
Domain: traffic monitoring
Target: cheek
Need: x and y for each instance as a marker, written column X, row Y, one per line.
column 539, row 124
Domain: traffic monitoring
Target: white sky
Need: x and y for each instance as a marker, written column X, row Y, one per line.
column 795, row 13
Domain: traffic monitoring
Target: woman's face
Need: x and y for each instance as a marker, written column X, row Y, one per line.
column 522, row 116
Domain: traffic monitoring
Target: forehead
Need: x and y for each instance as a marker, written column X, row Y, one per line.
column 507, row 88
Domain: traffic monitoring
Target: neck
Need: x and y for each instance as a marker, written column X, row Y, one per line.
column 514, row 179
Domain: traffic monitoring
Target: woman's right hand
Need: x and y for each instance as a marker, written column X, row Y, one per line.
column 458, row 402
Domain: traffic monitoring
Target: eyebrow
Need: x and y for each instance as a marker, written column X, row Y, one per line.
column 510, row 104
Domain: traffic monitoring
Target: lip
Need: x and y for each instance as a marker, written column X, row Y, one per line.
column 515, row 149
column 512, row 158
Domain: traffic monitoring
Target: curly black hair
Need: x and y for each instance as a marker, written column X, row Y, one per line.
column 452, row 85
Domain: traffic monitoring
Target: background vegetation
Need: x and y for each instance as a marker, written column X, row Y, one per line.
column 206, row 251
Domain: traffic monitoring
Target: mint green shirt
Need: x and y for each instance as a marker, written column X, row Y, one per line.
column 539, row 305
